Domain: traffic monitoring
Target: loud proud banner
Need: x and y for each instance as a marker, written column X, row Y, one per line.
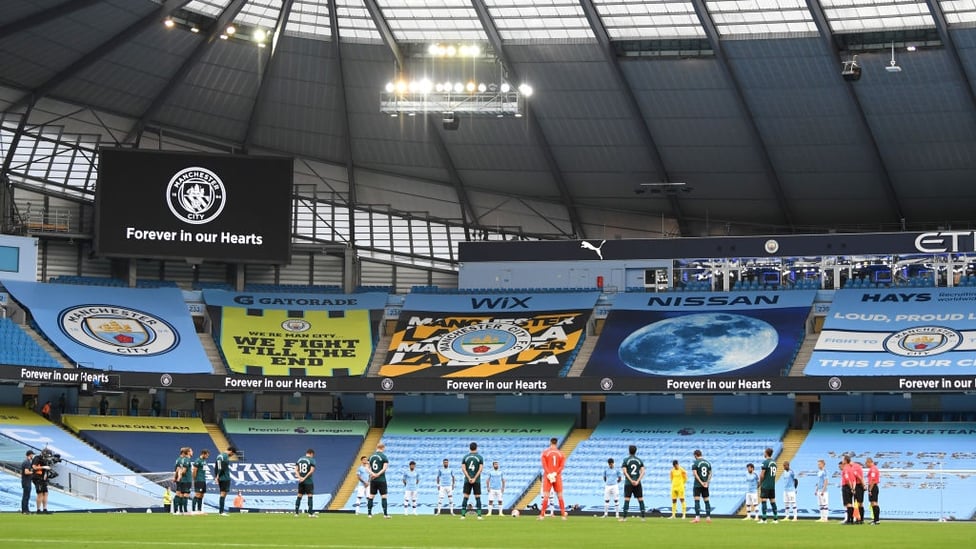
column 898, row 332
column 449, row 338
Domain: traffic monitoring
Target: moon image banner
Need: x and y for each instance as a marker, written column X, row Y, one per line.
column 741, row 334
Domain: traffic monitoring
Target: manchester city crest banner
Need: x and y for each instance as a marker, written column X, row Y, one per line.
column 701, row 334
column 478, row 336
column 126, row 329
column 898, row 331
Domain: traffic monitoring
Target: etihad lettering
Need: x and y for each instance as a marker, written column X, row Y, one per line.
column 711, row 301
column 946, row 241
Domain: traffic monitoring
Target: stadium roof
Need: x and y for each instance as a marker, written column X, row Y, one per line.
column 735, row 112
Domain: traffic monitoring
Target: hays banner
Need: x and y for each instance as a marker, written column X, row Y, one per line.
column 898, row 332
column 123, row 329
column 485, row 335
column 178, row 204
column 275, row 342
column 701, row 334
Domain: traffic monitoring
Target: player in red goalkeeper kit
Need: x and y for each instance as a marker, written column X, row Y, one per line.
column 553, row 461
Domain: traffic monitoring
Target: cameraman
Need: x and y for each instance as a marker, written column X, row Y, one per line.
column 26, row 476
column 41, row 464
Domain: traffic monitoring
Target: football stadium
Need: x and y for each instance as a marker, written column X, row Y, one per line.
column 508, row 273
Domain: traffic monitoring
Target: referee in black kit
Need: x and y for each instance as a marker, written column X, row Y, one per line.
column 26, row 476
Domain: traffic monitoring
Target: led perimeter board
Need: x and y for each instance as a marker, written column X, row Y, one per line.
column 217, row 207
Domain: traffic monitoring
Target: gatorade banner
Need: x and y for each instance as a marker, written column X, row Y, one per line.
column 123, row 329
column 898, row 332
column 275, row 342
column 296, row 334
column 701, row 334
column 296, row 301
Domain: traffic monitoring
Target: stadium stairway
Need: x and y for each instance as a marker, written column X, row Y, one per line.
column 804, row 354
column 219, row 438
column 572, row 440
column 585, row 351
column 210, row 347
column 48, row 348
column 379, row 358
column 792, row 441
column 349, row 484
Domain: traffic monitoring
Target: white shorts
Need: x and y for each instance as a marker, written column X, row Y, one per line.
column 494, row 494
column 752, row 498
column 409, row 494
column 445, row 491
column 611, row 491
column 361, row 491
column 823, row 498
column 789, row 498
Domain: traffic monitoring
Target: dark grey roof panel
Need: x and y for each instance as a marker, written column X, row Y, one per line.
column 300, row 110
column 29, row 58
column 123, row 81
column 14, row 10
column 512, row 182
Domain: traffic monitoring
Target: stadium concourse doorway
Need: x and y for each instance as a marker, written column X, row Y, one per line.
column 206, row 408
column 384, row 410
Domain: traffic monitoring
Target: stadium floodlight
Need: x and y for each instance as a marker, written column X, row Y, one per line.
column 471, row 97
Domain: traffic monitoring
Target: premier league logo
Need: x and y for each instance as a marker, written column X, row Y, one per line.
column 196, row 195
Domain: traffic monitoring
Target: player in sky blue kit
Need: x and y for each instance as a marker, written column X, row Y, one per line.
column 495, row 484
column 790, row 482
column 445, row 487
column 411, row 483
column 362, row 482
column 821, row 490
column 611, row 488
column 752, row 492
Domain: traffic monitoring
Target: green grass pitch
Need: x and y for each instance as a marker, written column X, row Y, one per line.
column 261, row 530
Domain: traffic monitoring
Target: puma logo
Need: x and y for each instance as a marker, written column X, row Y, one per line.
column 598, row 249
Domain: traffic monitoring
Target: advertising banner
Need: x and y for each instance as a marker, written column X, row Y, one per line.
column 488, row 335
column 898, row 332
column 178, row 204
column 701, row 334
column 135, row 424
column 294, row 427
column 296, row 301
column 465, row 345
column 120, row 329
column 315, row 343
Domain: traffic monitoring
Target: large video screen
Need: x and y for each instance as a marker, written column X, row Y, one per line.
column 185, row 205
